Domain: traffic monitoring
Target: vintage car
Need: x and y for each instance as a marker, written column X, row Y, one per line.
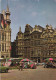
column 50, row 65
column 4, row 69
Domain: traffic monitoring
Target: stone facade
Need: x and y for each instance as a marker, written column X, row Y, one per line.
column 5, row 34
column 36, row 43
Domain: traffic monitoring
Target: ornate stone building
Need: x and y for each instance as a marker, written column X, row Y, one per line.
column 5, row 34
column 49, row 42
column 36, row 43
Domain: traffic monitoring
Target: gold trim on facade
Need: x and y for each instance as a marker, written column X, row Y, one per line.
column 36, row 43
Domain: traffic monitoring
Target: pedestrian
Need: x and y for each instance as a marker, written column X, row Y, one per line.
column 35, row 65
column 28, row 65
column 21, row 66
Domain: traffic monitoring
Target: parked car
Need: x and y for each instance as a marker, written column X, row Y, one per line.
column 50, row 65
column 4, row 69
column 40, row 64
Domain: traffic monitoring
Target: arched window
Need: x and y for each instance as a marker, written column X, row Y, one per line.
column 2, row 56
column 32, row 53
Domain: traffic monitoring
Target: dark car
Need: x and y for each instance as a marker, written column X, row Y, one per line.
column 4, row 69
column 50, row 65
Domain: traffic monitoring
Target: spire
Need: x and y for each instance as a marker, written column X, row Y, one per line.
column 7, row 6
column 7, row 11
column 20, row 29
column 8, row 15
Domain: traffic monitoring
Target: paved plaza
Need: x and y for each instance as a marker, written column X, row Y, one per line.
column 30, row 74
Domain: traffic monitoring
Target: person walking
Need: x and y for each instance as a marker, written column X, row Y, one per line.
column 21, row 66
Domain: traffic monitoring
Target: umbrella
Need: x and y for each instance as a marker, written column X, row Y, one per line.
column 7, row 64
column 54, row 59
column 10, row 59
column 49, row 59
column 20, row 58
column 25, row 59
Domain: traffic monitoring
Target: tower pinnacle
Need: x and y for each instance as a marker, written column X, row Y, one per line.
column 20, row 29
column 8, row 15
column 7, row 6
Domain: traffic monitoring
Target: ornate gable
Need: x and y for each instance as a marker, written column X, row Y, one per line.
column 48, row 32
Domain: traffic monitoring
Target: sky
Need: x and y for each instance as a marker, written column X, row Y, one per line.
column 33, row 12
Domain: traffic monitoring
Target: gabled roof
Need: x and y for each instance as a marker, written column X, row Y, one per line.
column 40, row 27
column 36, row 32
column 30, row 28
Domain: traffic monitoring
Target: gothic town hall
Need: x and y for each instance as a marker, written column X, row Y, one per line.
column 5, row 34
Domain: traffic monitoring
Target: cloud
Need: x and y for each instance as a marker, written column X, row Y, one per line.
column 34, row 14
column 55, row 0
column 14, row 0
column 20, row 6
column 34, row 0
column 37, row 0
column 0, row 0
column 28, row 0
column 44, row 12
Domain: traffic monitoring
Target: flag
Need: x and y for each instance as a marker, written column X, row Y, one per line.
column 2, row 24
column 10, row 48
column 5, row 23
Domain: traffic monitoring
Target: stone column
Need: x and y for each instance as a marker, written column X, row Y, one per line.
column 1, row 36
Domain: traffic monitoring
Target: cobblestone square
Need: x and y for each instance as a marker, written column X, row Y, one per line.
column 30, row 74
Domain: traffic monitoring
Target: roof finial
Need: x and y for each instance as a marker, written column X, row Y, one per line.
column 20, row 29
column 7, row 6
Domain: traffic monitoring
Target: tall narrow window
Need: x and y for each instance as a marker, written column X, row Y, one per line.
column 2, row 36
column 5, row 47
column 2, row 47
column 5, row 37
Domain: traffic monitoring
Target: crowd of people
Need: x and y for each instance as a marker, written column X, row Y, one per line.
column 26, row 65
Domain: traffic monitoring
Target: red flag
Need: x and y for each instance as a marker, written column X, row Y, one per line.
column 10, row 48
column 5, row 23
column 2, row 23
